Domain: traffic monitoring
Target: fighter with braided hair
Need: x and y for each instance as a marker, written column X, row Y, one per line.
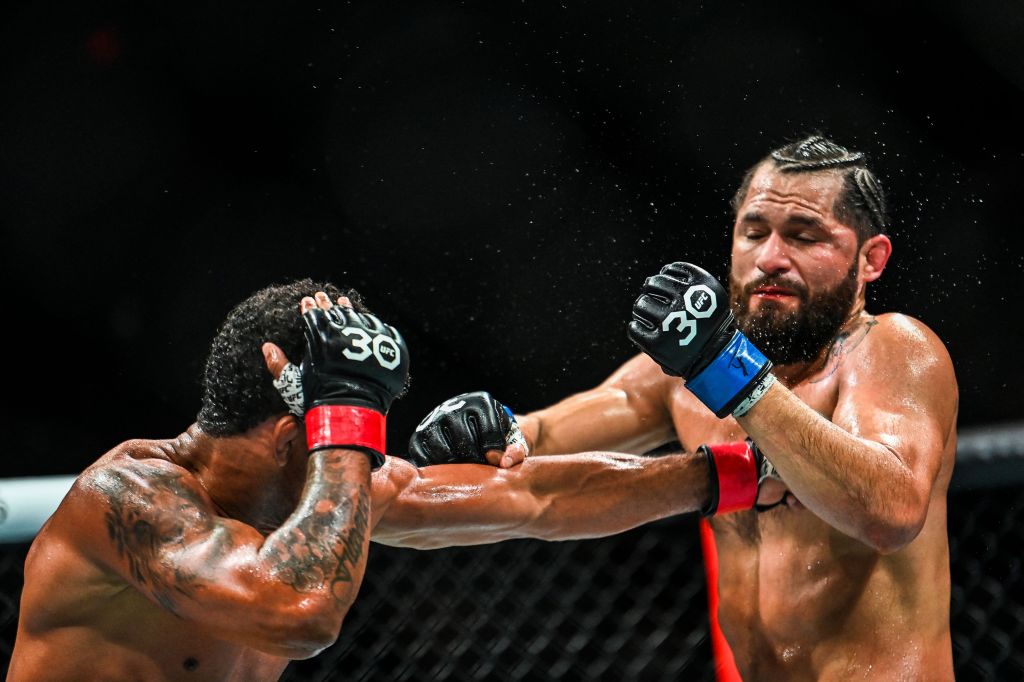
column 786, row 374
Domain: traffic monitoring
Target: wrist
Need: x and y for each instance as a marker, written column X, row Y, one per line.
column 530, row 428
column 326, row 460
column 733, row 474
column 735, row 379
column 347, row 426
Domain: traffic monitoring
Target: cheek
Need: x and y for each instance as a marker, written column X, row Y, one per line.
column 828, row 268
column 742, row 259
column 744, row 271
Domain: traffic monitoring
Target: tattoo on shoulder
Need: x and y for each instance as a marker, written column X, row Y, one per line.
column 146, row 517
column 312, row 553
column 844, row 344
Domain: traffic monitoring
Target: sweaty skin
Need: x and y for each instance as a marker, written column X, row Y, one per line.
column 850, row 578
column 140, row 576
column 202, row 558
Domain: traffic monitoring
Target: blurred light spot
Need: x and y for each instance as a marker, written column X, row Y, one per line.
column 103, row 46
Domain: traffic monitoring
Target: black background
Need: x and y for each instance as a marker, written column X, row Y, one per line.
column 496, row 178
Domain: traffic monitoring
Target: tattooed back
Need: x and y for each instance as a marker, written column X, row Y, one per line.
column 81, row 619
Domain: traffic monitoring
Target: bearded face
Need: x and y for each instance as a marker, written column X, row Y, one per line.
column 791, row 334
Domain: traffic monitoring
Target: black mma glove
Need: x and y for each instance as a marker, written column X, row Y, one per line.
column 737, row 471
column 354, row 367
column 462, row 429
column 683, row 321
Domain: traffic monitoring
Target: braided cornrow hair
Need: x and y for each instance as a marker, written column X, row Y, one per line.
column 861, row 203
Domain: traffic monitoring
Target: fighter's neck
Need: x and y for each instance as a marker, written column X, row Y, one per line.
column 218, row 464
column 797, row 372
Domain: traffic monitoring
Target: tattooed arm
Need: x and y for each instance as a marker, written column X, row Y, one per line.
column 286, row 594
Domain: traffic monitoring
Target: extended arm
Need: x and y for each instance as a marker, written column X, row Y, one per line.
column 628, row 412
column 870, row 471
column 552, row 498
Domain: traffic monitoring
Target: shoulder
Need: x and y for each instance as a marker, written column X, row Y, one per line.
column 132, row 467
column 900, row 356
column 130, row 485
column 642, row 375
column 899, row 335
column 904, row 327
column 131, row 492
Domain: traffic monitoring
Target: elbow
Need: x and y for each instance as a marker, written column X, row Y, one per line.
column 889, row 539
column 310, row 628
column 890, row 535
column 299, row 652
column 549, row 522
column 309, row 639
column 305, row 649
column 890, row 524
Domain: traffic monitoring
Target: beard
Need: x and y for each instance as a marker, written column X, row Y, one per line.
column 790, row 336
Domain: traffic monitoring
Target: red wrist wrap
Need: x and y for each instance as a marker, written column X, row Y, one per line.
column 737, row 476
column 339, row 426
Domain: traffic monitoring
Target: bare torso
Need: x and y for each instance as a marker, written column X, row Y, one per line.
column 81, row 621
column 799, row 600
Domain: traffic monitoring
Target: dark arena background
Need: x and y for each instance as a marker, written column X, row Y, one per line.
column 497, row 179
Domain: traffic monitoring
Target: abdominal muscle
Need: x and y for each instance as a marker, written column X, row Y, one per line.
column 801, row 601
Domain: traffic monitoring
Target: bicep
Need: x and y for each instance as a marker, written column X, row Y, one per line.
column 628, row 412
column 903, row 397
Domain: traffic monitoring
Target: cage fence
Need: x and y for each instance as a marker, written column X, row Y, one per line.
column 632, row 606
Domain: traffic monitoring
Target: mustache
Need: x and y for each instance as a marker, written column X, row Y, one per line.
column 772, row 281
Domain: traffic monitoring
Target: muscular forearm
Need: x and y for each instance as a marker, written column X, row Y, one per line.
column 596, row 495
column 858, row 486
column 552, row 498
column 321, row 547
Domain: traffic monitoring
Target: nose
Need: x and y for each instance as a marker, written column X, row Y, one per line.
column 773, row 256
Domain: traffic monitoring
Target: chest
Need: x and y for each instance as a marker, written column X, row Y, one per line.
column 93, row 615
column 696, row 425
column 786, row 543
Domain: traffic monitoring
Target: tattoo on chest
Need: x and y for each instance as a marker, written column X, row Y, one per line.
column 843, row 345
column 146, row 519
column 311, row 552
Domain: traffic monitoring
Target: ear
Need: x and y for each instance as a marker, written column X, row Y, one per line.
column 286, row 433
column 874, row 254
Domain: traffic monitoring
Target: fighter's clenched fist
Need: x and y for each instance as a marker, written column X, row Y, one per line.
column 464, row 429
column 683, row 321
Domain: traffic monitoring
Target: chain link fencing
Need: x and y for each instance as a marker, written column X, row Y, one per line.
column 628, row 607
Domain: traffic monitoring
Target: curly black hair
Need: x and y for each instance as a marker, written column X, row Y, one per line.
column 238, row 392
column 861, row 203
